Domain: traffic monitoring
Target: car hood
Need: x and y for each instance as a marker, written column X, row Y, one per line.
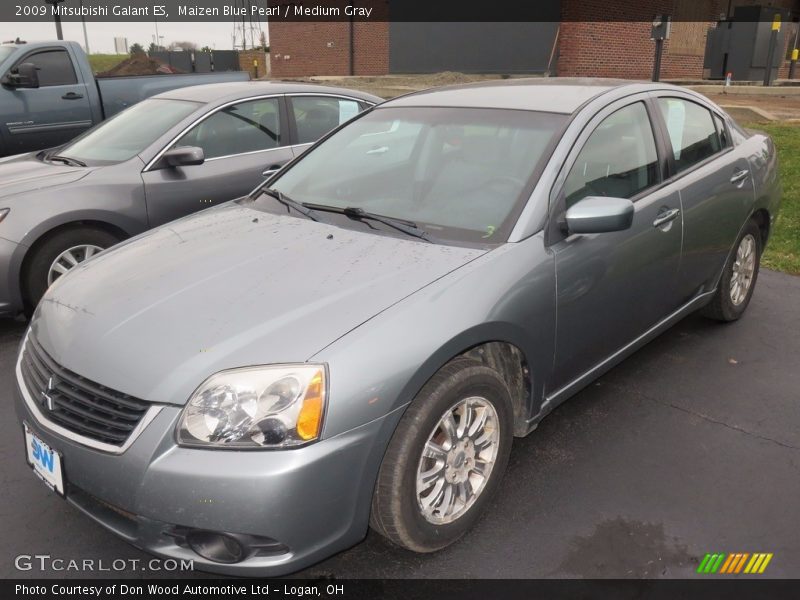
column 225, row 288
column 24, row 173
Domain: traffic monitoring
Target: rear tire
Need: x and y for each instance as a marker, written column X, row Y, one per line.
column 67, row 246
column 457, row 429
column 739, row 277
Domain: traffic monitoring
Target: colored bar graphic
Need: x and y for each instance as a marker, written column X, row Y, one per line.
column 734, row 563
column 704, row 563
column 764, row 564
column 754, row 563
column 717, row 563
column 741, row 562
column 726, row 565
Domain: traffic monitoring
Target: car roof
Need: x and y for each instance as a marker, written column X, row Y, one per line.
column 225, row 92
column 546, row 94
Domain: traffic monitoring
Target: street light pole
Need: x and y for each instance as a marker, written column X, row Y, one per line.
column 57, row 17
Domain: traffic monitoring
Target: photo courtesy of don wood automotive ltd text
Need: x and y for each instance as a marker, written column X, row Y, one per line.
column 399, row 299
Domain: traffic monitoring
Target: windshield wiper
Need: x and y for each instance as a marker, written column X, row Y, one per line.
column 359, row 214
column 73, row 162
column 286, row 201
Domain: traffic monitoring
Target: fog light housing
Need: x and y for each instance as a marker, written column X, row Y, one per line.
column 216, row 547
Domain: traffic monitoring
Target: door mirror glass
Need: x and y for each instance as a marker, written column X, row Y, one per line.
column 24, row 75
column 183, row 156
column 600, row 214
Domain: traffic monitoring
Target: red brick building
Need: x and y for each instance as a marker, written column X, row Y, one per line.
column 588, row 46
column 600, row 38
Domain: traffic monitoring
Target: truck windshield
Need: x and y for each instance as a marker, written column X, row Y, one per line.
column 127, row 134
column 459, row 174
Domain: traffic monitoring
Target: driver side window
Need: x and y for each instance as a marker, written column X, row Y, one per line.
column 236, row 129
column 619, row 158
column 54, row 67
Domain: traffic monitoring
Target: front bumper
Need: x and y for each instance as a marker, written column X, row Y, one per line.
column 312, row 501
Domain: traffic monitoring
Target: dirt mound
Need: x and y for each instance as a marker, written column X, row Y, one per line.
column 448, row 77
column 139, row 64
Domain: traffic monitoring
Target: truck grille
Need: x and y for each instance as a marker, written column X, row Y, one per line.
column 77, row 404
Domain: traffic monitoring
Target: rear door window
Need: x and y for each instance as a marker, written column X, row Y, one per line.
column 692, row 134
column 315, row 116
column 722, row 131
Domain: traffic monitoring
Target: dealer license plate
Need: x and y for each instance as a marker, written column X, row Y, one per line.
column 46, row 463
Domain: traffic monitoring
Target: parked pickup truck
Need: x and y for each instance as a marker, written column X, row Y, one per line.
column 48, row 93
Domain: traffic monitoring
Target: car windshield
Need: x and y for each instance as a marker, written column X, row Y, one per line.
column 461, row 174
column 128, row 133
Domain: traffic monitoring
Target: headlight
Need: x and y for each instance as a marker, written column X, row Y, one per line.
column 256, row 407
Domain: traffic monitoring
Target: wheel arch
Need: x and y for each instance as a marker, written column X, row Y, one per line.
column 762, row 218
column 47, row 234
column 500, row 347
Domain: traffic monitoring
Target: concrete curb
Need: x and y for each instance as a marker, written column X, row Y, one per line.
column 736, row 110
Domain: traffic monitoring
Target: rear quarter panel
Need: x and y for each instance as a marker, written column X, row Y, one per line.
column 763, row 158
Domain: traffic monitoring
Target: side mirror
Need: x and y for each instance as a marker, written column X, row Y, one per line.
column 599, row 214
column 183, row 156
column 24, row 75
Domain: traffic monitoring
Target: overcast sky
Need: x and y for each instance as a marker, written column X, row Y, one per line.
column 101, row 35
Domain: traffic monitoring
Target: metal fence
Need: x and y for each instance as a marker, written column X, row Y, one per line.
column 200, row 62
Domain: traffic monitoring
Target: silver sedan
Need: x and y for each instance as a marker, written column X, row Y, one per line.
column 358, row 342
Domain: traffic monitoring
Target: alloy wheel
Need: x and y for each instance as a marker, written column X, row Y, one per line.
column 457, row 460
column 69, row 259
column 744, row 267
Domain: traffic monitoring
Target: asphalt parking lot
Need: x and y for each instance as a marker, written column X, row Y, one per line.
column 690, row 446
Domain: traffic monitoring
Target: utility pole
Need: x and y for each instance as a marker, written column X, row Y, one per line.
column 56, row 17
column 85, row 34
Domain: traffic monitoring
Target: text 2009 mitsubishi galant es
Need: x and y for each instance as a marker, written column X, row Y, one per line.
column 357, row 343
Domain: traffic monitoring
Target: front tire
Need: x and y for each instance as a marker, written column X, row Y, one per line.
column 57, row 255
column 738, row 277
column 446, row 458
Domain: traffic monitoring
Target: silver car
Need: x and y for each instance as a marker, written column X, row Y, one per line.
column 358, row 342
column 166, row 157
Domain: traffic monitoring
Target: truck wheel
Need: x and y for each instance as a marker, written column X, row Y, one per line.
column 738, row 277
column 57, row 255
column 446, row 458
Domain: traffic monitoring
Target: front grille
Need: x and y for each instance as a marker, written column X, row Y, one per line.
column 77, row 404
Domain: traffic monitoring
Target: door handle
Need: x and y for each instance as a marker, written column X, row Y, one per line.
column 72, row 96
column 271, row 170
column 666, row 216
column 740, row 176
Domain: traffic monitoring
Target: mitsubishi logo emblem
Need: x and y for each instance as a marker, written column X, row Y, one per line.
column 51, row 385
